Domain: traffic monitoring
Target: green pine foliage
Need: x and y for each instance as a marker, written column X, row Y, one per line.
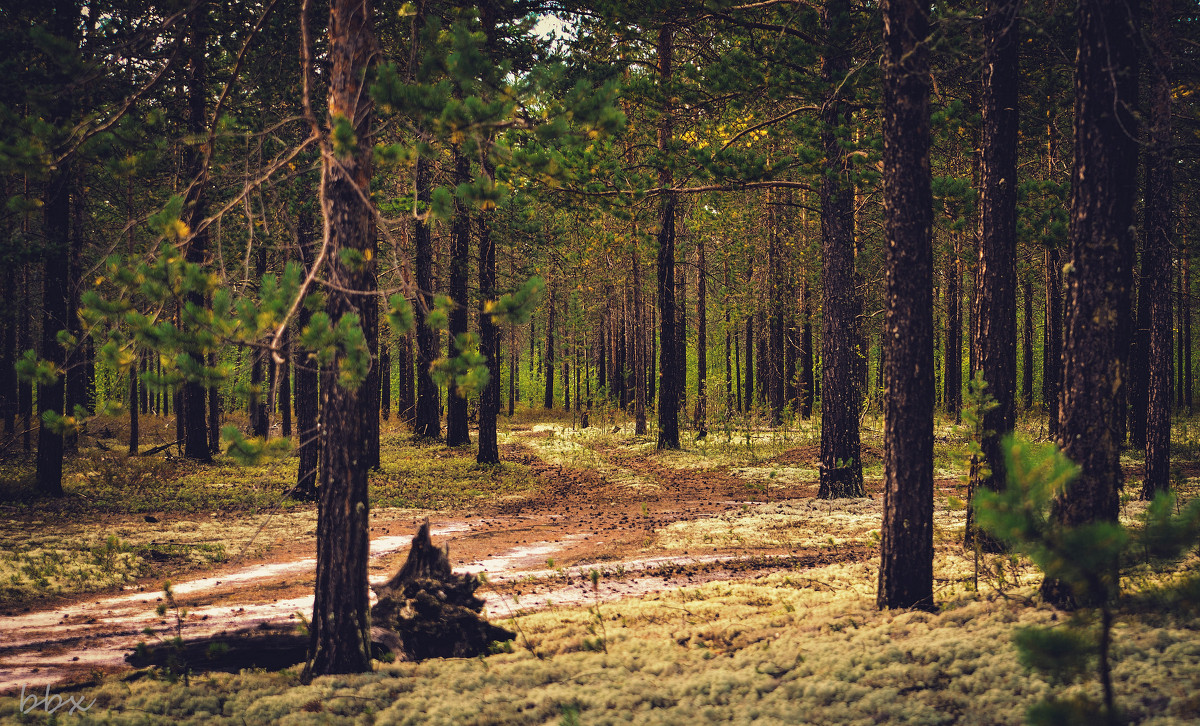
column 1090, row 560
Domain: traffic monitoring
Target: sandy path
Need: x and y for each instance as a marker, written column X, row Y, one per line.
column 534, row 554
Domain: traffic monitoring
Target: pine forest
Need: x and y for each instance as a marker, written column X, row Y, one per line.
column 554, row 362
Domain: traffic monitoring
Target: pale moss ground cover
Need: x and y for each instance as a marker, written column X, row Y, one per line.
column 802, row 647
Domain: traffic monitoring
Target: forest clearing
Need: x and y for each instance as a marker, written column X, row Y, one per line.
column 544, row 362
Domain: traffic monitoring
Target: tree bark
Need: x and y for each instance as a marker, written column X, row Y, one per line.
column 307, row 378
column 995, row 340
column 670, row 368
column 701, row 418
column 639, row 342
column 385, row 380
column 56, row 208
column 1027, row 348
column 1158, row 230
column 489, row 336
column 906, row 537
column 548, row 398
column 284, row 398
column 1102, row 193
column 775, row 381
column 340, row 627
column 457, row 430
column 195, row 413
column 259, row 419
column 806, row 355
column 428, row 419
column 1052, row 341
column 953, row 376
column 841, row 458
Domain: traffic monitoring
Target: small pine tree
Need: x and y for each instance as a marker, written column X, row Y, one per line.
column 1089, row 559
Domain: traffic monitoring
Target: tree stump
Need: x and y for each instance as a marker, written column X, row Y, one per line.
column 428, row 611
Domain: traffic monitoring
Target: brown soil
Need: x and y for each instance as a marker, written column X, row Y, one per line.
column 538, row 548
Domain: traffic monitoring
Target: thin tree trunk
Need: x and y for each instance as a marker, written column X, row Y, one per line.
column 385, row 380
column 307, row 378
column 1179, row 369
column 953, row 376
column 639, row 343
column 841, row 458
column 457, row 431
column 489, row 336
column 806, row 356
column 25, row 387
column 194, row 413
column 737, row 369
column 995, row 340
column 548, row 399
column 514, row 369
column 1186, row 301
column 1027, row 372
column 1158, row 231
column 701, row 419
column 906, row 537
column 651, row 363
column 427, row 423
column 1052, row 342
column 774, row 358
column 259, row 419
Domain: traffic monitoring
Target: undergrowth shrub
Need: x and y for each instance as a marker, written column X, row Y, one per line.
column 1089, row 559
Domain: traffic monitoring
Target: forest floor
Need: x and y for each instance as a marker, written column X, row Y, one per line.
column 724, row 590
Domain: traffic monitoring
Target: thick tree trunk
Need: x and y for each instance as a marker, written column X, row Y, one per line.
column 995, row 340
column 670, row 367
column 1102, row 193
column 284, row 396
column 1158, row 231
column 340, row 627
column 841, row 458
column 428, row 420
column 906, row 537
